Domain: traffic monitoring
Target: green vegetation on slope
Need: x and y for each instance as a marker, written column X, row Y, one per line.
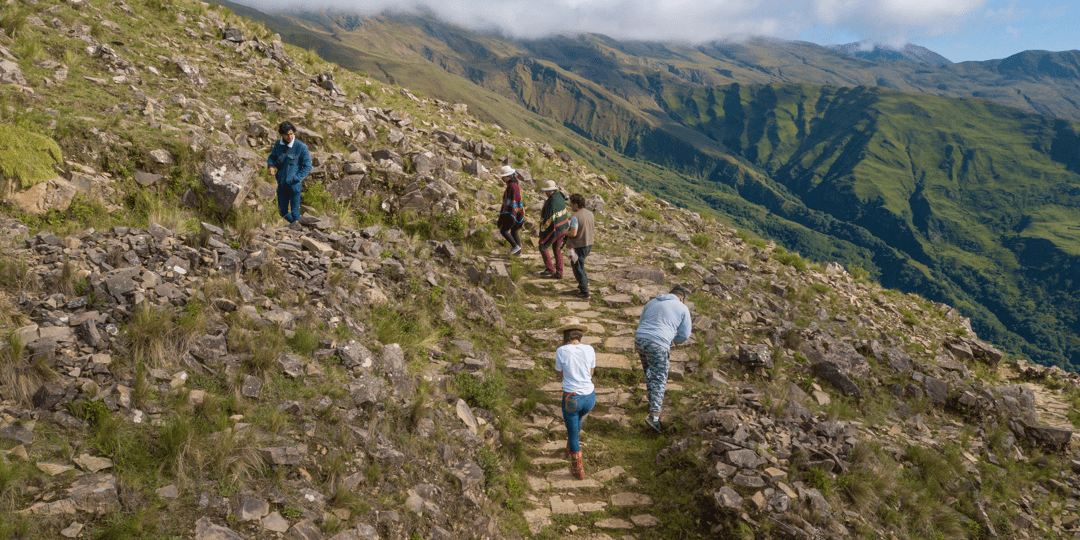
column 973, row 197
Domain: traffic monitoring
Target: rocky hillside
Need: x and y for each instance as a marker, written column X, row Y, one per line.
column 178, row 363
column 912, row 170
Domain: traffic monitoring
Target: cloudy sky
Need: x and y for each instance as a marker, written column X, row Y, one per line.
column 957, row 29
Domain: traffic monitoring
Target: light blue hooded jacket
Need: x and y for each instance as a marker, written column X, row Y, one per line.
column 665, row 320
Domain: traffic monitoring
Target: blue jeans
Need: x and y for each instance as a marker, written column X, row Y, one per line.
column 574, row 409
column 655, row 360
column 288, row 202
column 579, row 268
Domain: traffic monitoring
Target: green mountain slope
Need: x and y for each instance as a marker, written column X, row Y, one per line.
column 963, row 201
column 980, row 200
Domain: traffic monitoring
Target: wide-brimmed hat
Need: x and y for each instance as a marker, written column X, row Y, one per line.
column 505, row 171
column 571, row 323
column 549, row 185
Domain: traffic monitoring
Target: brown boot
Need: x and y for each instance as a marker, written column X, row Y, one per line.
column 577, row 467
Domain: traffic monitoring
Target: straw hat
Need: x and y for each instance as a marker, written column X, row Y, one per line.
column 549, row 185
column 505, row 171
column 571, row 323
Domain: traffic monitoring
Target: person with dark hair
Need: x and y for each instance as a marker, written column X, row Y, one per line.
column 512, row 212
column 554, row 221
column 575, row 363
column 664, row 320
column 580, row 241
column 290, row 163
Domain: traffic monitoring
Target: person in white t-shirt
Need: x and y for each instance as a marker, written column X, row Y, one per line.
column 575, row 363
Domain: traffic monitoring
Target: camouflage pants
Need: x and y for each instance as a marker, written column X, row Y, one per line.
column 655, row 360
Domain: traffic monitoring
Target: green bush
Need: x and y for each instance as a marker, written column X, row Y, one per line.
column 700, row 240
column 27, row 158
column 479, row 392
column 793, row 260
column 649, row 214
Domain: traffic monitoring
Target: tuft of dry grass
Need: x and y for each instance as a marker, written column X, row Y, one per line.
column 16, row 275
column 10, row 316
column 19, row 376
column 154, row 336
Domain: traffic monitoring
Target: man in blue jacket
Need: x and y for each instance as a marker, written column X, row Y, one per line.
column 665, row 320
column 290, row 163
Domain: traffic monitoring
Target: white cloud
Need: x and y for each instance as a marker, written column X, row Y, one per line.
column 1056, row 12
column 891, row 21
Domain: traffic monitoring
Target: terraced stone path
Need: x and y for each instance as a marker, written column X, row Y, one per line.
column 1052, row 410
column 612, row 316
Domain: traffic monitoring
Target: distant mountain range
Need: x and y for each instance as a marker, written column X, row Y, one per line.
column 959, row 181
column 910, row 53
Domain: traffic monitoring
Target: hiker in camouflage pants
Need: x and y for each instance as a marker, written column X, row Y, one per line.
column 665, row 320
column 655, row 360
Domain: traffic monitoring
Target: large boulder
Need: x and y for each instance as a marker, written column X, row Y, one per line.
column 55, row 194
column 10, row 73
column 839, row 353
column 226, row 177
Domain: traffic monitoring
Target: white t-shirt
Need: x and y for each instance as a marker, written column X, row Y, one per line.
column 576, row 361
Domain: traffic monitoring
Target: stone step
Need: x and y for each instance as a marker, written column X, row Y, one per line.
column 520, row 364
column 562, row 480
column 568, row 506
column 547, row 461
column 619, row 300
column 644, row 521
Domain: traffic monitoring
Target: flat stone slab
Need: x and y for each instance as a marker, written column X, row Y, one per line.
column 520, row 364
column 538, row 519
column 562, row 479
column 607, row 475
column 93, row 463
column 546, row 461
column 627, row 499
column 634, row 311
column 578, row 306
column 611, row 418
column 620, row 344
column 552, row 446
column 591, row 507
column 614, row 523
column 561, row 507
column 539, row 484
column 619, row 299
column 53, row 469
column 613, row 361
column 645, row 520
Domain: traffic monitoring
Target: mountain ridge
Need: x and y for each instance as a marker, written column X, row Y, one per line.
column 631, row 96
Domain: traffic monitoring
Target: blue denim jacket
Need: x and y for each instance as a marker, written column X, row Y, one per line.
column 293, row 164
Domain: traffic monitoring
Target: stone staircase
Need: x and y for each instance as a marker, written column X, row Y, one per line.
column 612, row 316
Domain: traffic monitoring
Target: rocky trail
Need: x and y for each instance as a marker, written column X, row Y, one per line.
column 177, row 364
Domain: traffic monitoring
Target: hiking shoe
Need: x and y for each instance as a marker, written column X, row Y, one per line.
column 582, row 294
column 545, row 273
column 554, row 276
column 654, row 423
column 516, row 250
